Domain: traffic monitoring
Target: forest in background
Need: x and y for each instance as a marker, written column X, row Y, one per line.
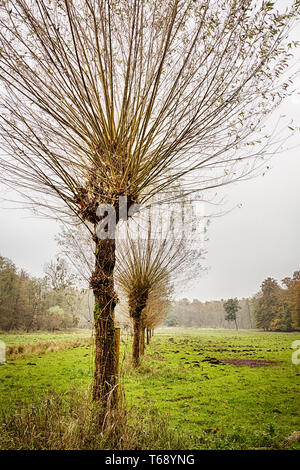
column 54, row 302
column 211, row 314
column 274, row 308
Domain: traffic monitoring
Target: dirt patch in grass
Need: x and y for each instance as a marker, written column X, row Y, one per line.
column 250, row 362
column 189, row 397
column 241, row 362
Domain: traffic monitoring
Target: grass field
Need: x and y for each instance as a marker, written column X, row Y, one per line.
column 19, row 346
column 208, row 404
column 32, row 338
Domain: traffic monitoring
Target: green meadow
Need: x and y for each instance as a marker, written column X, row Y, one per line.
column 32, row 338
column 215, row 389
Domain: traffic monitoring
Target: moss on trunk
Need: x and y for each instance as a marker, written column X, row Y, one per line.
column 106, row 357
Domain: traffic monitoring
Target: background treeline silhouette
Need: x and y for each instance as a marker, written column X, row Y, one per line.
column 53, row 302
column 274, row 308
column 208, row 314
column 277, row 308
column 29, row 304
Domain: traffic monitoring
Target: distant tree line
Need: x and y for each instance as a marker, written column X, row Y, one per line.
column 53, row 302
column 208, row 314
column 277, row 308
column 48, row 303
column 274, row 308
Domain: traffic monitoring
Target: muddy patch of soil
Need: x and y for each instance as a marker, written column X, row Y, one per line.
column 250, row 362
column 241, row 362
column 189, row 397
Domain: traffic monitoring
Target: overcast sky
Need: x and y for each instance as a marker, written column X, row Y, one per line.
column 260, row 239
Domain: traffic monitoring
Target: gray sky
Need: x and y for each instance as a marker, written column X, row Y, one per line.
column 247, row 245
column 259, row 240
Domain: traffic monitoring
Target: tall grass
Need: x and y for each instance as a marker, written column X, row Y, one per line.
column 20, row 351
column 70, row 422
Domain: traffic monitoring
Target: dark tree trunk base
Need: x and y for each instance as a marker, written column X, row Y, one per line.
column 105, row 388
column 136, row 341
column 142, row 340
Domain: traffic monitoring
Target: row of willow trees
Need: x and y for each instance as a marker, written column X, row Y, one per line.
column 103, row 100
column 153, row 257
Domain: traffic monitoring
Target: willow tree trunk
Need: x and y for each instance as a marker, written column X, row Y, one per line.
column 148, row 337
column 136, row 340
column 142, row 340
column 137, row 302
column 106, row 357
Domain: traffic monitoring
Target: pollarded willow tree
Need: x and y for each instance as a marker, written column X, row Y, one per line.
column 109, row 98
column 155, row 312
column 146, row 267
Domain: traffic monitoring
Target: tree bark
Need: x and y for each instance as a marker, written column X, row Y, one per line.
column 142, row 340
column 106, row 357
column 137, row 302
column 148, row 337
column 136, row 340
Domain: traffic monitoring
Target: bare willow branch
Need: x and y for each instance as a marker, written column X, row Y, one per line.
column 101, row 98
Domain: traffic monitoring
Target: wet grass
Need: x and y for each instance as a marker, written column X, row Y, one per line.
column 221, row 405
column 17, row 338
column 206, row 405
